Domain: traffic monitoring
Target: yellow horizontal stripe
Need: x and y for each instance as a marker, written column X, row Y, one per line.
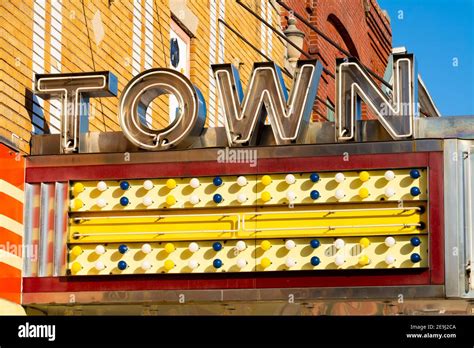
column 11, row 225
column 11, row 191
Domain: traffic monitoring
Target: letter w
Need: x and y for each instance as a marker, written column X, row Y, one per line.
column 267, row 95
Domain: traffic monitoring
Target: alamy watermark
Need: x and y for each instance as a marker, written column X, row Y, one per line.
column 237, row 155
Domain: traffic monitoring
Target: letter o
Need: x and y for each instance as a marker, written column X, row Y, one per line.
column 142, row 90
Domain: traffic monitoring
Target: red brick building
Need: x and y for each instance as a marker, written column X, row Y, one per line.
column 360, row 27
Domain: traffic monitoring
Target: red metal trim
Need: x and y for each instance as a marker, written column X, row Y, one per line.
column 434, row 275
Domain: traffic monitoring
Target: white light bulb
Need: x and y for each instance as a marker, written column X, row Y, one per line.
column 194, row 199
column 389, row 192
column 102, row 186
column 339, row 177
column 290, row 179
column 240, row 245
column 193, row 247
column 146, row 265
column 389, row 259
column 291, row 196
column 148, row 185
column 193, row 264
column 146, row 248
column 389, row 175
column 290, row 244
column 242, row 181
column 99, row 265
column 339, row 260
column 147, row 201
column 390, row 241
column 290, row 262
column 101, row 202
column 241, row 263
column 242, row 198
column 194, row 183
column 339, row 243
column 100, row 249
column 340, row 194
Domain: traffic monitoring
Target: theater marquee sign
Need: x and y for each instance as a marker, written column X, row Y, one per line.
column 244, row 114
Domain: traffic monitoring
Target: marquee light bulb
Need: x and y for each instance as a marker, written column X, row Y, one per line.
column 290, row 179
column 217, row 181
column 315, row 243
column 364, row 242
column 390, row 242
column 415, row 191
column 389, row 259
column 170, row 200
column 217, row 246
column 169, row 265
column 241, row 263
column 217, row 198
column 124, row 201
column 76, row 251
column 265, row 245
column 339, row 260
column 193, row 264
column 314, row 177
column 364, row 260
column 364, row 193
column 242, row 198
column 415, row 258
column 171, row 184
column 146, row 265
column 146, row 248
column 148, row 185
column 124, row 185
column 102, row 186
column 266, row 180
column 193, row 247
column 265, row 262
column 415, row 173
column 78, row 204
column 389, row 175
column 169, row 248
column 339, row 194
column 99, row 265
column 122, row 265
column 242, row 181
column 266, row 196
column 290, row 262
column 100, row 249
column 78, row 188
column 194, row 199
column 291, row 196
column 147, row 201
column 315, row 261
column 122, row 248
column 389, row 192
column 101, row 203
column 339, row 177
column 364, row 176
column 290, row 244
column 76, row 267
column 194, row 183
column 217, row 263
column 241, row 245
column 339, row 243
column 314, row 194
column 415, row 241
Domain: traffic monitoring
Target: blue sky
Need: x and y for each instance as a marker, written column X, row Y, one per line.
column 441, row 34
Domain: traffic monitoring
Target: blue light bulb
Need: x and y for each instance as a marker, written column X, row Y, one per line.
column 217, row 181
column 315, row 243
column 314, row 194
column 314, row 177
column 122, row 248
column 315, row 261
column 124, row 185
column 415, row 173
column 217, row 246
column 415, row 191
column 217, row 198
column 122, row 265
column 124, row 201
column 217, row 263
column 415, row 241
column 415, row 258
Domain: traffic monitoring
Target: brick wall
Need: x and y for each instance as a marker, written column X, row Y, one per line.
column 365, row 34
